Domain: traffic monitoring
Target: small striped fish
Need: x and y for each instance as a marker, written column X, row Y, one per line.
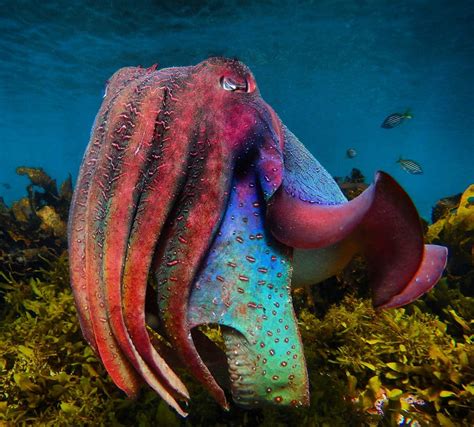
column 396, row 119
column 410, row 166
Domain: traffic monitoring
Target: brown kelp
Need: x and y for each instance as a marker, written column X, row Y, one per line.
column 366, row 368
column 33, row 229
column 353, row 184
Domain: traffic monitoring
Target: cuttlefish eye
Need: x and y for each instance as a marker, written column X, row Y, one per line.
column 231, row 85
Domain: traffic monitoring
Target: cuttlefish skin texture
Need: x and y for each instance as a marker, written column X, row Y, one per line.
column 191, row 177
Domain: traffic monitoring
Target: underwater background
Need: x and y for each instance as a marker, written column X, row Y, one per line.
column 333, row 70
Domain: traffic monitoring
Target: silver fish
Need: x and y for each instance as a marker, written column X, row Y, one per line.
column 410, row 166
column 351, row 153
column 396, row 119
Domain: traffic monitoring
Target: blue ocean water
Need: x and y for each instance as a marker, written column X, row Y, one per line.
column 332, row 69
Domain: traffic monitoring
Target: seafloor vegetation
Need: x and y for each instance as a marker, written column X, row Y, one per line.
column 409, row 366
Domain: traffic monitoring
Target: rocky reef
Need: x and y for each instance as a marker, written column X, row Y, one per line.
column 408, row 366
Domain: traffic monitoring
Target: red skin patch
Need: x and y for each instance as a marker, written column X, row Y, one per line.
column 382, row 223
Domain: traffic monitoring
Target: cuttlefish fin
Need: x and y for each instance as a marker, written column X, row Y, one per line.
column 382, row 224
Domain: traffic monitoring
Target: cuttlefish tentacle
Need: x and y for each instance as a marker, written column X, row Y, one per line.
column 382, row 223
column 182, row 248
column 190, row 229
column 135, row 164
column 119, row 175
column 77, row 217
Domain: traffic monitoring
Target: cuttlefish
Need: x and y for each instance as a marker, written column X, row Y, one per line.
column 191, row 179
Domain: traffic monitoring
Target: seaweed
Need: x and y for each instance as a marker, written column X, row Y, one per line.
column 33, row 231
column 48, row 374
column 408, row 366
column 456, row 230
column 353, row 184
column 389, row 360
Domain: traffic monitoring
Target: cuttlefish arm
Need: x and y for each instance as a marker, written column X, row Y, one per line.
column 154, row 185
column 118, row 181
column 308, row 212
column 80, row 199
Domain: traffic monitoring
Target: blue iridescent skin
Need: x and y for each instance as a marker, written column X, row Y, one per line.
column 245, row 285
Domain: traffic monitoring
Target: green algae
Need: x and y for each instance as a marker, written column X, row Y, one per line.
column 355, row 355
column 33, row 230
column 365, row 367
column 396, row 354
column 48, row 374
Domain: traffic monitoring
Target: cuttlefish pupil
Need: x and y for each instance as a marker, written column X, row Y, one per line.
column 229, row 84
column 190, row 176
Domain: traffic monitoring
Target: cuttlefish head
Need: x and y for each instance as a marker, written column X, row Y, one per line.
column 191, row 177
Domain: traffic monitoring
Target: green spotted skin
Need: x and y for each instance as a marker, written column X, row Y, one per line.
column 245, row 286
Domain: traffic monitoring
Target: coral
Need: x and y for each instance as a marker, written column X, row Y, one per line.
column 413, row 365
